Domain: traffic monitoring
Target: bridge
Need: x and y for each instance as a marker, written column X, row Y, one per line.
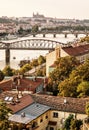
column 28, row 44
column 54, row 33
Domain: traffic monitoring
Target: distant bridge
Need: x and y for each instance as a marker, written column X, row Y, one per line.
column 28, row 44
column 54, row 33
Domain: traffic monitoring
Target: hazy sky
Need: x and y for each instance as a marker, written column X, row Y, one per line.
column 78, row 9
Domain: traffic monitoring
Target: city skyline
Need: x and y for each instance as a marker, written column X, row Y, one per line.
column 71, row 9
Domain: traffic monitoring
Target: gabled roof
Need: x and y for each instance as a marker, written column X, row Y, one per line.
column 25, row 101
column 77, row 50
column 8, row 85
column 68, row 104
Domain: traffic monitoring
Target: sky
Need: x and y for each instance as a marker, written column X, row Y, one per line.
column 71, row 9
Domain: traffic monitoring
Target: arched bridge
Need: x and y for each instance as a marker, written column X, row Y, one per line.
column 28, row 44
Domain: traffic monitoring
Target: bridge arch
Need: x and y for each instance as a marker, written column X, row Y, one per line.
column 28, row 44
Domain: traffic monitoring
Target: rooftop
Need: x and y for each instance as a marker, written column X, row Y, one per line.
column 68, row 104
column 77, row 50
column 31, row 112
column 24, row 84
column 25, row 101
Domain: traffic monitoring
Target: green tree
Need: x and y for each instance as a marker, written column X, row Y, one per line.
column 4, row 114
column 25, row 68
column 41, row 60
column 75, row 124
column 64, row 66
column 87, row 109
column 67, row 122
column 35, row 29
column 20, row 31
column 1, row 75
column 34, row 63
column 83, row 89
column 8, row 71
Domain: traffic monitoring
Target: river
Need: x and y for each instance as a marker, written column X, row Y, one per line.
column 30, row 54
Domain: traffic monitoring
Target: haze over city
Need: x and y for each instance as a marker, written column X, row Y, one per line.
column 72, row 9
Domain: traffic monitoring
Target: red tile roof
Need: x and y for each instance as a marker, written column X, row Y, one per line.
column 24, row 102
column 25, row 84
column 78, row 50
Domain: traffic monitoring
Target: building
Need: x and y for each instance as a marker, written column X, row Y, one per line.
column 17, row 83
column 78, row 50
column 47, row 112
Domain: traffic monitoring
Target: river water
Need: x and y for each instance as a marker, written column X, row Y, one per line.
column 30, row 54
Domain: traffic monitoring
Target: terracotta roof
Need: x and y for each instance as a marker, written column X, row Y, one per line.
column 76, row 105
column 78, row 50
column 24, row 102
column 6, row 85
column 25, row 84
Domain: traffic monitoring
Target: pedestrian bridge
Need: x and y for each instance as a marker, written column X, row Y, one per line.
column 28, row 44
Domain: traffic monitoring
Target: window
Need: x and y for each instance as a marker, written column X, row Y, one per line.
column 41, row 120
column 55, row 114
column 51, row 128
column 46, row 117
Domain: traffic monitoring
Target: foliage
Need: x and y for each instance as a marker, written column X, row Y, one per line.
column 41, row 60
column 83, row 89
column 64, row 66
column 67, row 122
column 75, row 124
column 4, row 114
column 21, row 30
column 25, row 68
column 23, row 62
column 85, row 39
column 1, row 75
column 72, row 123
column 35, row 29
column 8, row 71
column 41, row 72
column 87, row 109
column 76, row 85
column 34, row 62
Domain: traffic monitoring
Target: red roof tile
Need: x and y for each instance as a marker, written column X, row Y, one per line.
column 24, row 102
column 76, row 105
column 78, row 50
column 25, row 84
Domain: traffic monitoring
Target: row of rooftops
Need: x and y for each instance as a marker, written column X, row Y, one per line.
column 34, row 105
column 21, row 84
column 22, row 99
column 76, row 105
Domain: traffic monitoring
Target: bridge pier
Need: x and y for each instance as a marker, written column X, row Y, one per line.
column 7, row 56
column 43, row 35
column 33, row 35
column 54, row 35
column 86, row 34
column 76, row 35
column 65, row 35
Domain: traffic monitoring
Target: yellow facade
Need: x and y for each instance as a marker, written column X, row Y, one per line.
column 43, row 120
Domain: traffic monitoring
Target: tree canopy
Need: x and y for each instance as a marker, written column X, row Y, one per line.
column 1, row 75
